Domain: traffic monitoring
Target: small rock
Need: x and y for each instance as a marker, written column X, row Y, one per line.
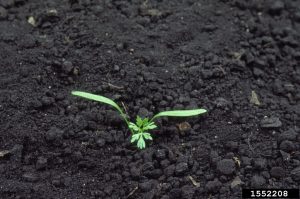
column 214, row 157
column 31, row 20
column 295, row 173
column 3, row 13
column 195, row 183
column 100, row 142
column 54, row 134
column 226, row 166
column 287, row 146
column 278, row 87
column 206, row 74
column 175, row 193
column 148, row 156
column 266, row 174
column 116, row 68
column 27, row 41
column 260, row 163
column 47, row 101
column 160, row 154
column 82, row 135
column 276, row 7
column 60, row 96
column 187, row 192
column 151, row 12
column 147, row 186
column 184, row 128
column 254, row 98
column 257, row 72
column 22, row 2
column 236, row 181
column 36, row 104
column 2, row 169
column 296, row 155
column 209, row 28
column 57, row 182
column 143, row 113
column 213, row 186
column 290, row 134
column 157, row 97
column 88, row 164
column 4, row 153
column 297, row 16
column 241, row 5
column 30, row 177
column 67, row 151
column 245, row 161
column 156, row 173
column 258, row 181
column 77, row 156
column 285, row 156
column 165, row 163
column 277, row 172
column 188, row 87
column 135, row 172
column 76, row 71
column 41, row 163
column 7, row 3
column 181, row 168
column 291, row 41
column 117, row 135
column 209, row 176
column 120, row 46
column 169, row 171
column 270, row 122
column 249, row 58
column 80, row 123
column 232, row 145
column 148, row 166
column 84, row 2
column 221, row 102
column 67, row 181
column 67, row 67
column 259, row 63
column 61, row 182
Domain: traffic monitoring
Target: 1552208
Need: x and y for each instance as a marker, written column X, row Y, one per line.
column 271, row 193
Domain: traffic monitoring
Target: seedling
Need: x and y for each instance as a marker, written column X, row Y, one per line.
column 140, row 129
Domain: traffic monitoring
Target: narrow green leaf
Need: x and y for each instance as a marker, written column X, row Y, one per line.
column 139, row 121
column 180, row 113
column 150, row 127
column 133, row 126
column 151, row 123
column 145, row 121
column 100, row 98
column 147, row 136
column 141, row 143
column 134, row 137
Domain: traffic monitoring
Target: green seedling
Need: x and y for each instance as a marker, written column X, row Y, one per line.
column 140, row 129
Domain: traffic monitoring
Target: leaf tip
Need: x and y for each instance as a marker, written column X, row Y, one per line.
column 74, row 92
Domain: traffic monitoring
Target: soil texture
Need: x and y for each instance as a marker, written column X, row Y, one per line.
column 238, row 59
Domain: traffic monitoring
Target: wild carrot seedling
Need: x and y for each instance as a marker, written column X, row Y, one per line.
column 141, row 127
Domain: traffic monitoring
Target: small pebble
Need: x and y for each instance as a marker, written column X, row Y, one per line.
column 3, row 13
column 226, row 166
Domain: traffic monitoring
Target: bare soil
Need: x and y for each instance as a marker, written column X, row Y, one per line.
column 238, row 59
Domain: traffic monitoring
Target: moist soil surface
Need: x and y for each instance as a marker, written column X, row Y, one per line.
column 237, row 59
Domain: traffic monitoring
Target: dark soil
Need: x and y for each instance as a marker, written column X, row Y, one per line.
column 238, row 59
